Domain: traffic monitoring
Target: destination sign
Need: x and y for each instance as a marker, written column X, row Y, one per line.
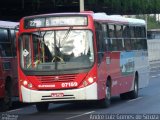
column 55, row 21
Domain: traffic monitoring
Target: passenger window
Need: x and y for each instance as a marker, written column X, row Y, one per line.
column 132, row 32
column 5, row 44
column 126, row 32
column 111, row 31
column 113, row 45
column 119, row 30
column 127, row 44
column 4, row 35
column 5, row 50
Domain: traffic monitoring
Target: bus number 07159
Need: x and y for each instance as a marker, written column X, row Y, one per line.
column 69, row 84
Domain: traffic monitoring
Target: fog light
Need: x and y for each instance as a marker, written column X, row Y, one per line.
column 85, row 83
column 25, row 82
column 29, row 85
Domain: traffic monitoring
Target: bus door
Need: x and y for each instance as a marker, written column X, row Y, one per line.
column 101, row 54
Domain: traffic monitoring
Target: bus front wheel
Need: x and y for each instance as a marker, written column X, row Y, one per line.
column 42, row 107
column 104, row 103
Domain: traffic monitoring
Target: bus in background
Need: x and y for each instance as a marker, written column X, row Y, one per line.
column 80, row 57
column 8, row 63
column 153, row 42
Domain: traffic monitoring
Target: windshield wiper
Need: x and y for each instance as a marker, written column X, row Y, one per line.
column 66, row 35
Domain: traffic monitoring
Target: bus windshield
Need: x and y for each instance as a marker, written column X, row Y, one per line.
column 56, row 50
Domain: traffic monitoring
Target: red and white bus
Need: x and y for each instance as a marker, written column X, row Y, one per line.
column 81, row 56
column 8, row 63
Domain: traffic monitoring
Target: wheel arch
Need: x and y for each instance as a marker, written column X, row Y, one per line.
column 109, row 79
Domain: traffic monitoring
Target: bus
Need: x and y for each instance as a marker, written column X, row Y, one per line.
column 8, row 63
column 81, row 57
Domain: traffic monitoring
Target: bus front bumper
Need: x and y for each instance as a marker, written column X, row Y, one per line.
column 86, row 93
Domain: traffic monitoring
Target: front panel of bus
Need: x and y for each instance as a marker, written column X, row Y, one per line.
column 56, row 58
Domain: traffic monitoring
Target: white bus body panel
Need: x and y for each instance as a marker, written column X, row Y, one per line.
column 142, row 67
column 86, row 93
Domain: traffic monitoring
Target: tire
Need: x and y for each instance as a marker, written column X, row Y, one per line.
column 42, row 107
column 7, row 100
column 105, row 103
column 134, row 94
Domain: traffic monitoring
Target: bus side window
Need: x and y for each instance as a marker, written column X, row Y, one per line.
column 5, row 43
column 2, row 51
column 126, row 32
column 13, row 41
column 120, row 41
column 139, row 44
column 100, row 41
column 127, row 37
column 127, row 44
column 112, row 41
column 132, row 32
column 100, row 45
column 119, row 30
column 105, row 37
column 113, row 45
column 111, row 30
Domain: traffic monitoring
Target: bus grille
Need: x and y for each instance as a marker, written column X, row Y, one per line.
column 50, row 79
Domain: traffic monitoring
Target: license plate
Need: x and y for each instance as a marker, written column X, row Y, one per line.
column 57, row 94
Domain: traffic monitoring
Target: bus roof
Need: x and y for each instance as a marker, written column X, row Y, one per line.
column 118, row 18
column 8, row 24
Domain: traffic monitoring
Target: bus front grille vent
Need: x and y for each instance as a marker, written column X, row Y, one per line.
column 51, row 79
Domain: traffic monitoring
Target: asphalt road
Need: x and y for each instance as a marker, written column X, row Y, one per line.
column 146, row 106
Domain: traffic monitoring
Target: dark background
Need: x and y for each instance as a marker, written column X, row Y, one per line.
column 13, row 10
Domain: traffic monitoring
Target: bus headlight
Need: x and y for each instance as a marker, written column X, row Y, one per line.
column 25, row 82
column 90, row 80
